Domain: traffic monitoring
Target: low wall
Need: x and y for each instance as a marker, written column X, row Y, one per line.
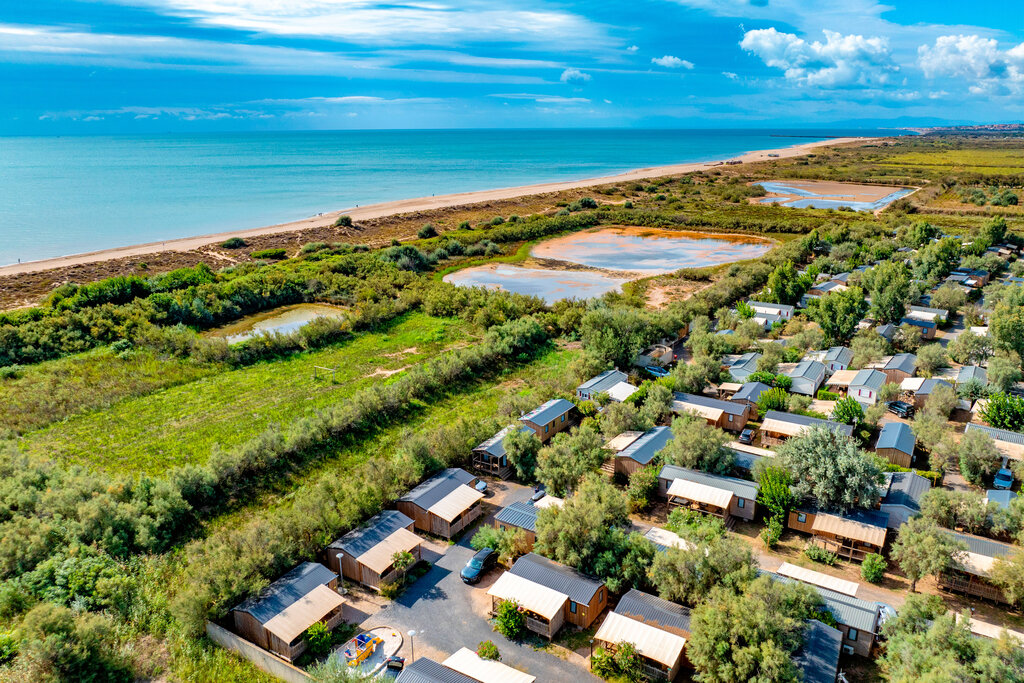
column 263, row 659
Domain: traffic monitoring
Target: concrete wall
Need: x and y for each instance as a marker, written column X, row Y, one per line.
column 257, row 655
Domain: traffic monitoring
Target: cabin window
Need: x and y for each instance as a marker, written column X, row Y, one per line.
column 501, row 526
column 572, row 607
column 545, row 429
column 563, row 418
column 730, row 418
column 740, row 503
column 600, row 594
column 801, row 517
column 852, row 634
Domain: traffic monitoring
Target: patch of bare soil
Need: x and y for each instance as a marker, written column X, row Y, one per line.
column 403, row 352
column 384, row 372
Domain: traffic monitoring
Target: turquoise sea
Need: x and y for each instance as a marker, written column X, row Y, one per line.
column 67, row 195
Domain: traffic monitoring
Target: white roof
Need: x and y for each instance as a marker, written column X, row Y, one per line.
column 549, row 501
column 911, row 384
column 818, row 579
column 667, row 538
column 841, row 378
column 455, row 503
column 466, row 662
column 622, row 441
column 753, row 450
column 730, row 386
column 547, row 602
column 707, row 412
column 303, row 613
column 380, row 557
column 653, row 643
column 701, row 493
column 621, row 391
column 979, row 565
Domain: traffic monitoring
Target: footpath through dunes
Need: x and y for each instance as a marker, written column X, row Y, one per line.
column 182, row 424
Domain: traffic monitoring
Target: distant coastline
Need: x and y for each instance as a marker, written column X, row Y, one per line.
column 384, row 209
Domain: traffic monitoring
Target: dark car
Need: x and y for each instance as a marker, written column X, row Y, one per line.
column 478, row 566
column 394, row 663
column 747, row 436
column 900, row 408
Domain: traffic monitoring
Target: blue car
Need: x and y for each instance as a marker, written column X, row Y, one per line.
column 656, row 371
column 1003, row 479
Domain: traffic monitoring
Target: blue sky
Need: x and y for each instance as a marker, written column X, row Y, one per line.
column 103, row 66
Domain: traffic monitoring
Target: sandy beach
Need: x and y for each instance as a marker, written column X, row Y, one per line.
column 371, row 211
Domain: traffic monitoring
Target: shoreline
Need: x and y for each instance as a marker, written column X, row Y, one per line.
column 383, row 209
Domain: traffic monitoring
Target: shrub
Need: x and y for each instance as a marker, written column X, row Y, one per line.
column 234, row 243
column 824, row 395
column 426, row 232
column 343, row 221
column 872, row 569
column 819, row 554
column 270, row 254
column 771, row 533
column 8, row 647
column 643, row 485
column 389, row 590
column 497, row 220
column 509, row 619
column 464, row 225
column 488, row 650
column 319, row 639
column 628, row 205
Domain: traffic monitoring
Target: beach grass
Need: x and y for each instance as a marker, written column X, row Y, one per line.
column 181, row 424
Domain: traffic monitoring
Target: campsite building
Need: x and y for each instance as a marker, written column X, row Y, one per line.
column 600, row 384
column 778, row 426
column 807, row 376
column 852, row 536
column 818, row 659
column 657, row 628
column 749, row 393
column 902, row 495
column 866, row 385
column 365, row 555
column 490, row 457
column 1010, row 444
column 743, row 366
column 729, row 415
column 639, row 452
column 969, row 571
column 550, row 418
column 896, row 368
column 712, row 494
column 519, row 515
column 896, row 443
column 443, row 505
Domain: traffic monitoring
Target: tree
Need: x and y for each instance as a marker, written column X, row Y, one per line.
column 774, row 493
column 775, row 398
column 752, row 634
column 1003, row 372
column 509, row 619
column 657, row 404
column 888, row 285
column 1004, row 412
column 978, row 454
column 568, row 457
column 580, row 530
column 969, row 348
column 921, row 549
column 949, row 298
column 690, row 574
column 643, row 486
column 848, row 411
column 920, row 234
column 931, row 357
column 838, row 313
column 907, row 338
column 994, row 231
column 521, row 448
column 692, row 377
column 402, row 561
column 828, row 466
column 868, row 346
column 1008, row 575
column 785, row 286
column 618, row 418
column 694, row 526
column 697, row 445
column 1006, row 326
column 58, row 645
column 941, row 401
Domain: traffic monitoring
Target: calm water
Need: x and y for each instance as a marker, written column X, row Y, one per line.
column 813, row 200
column 285, row 319
column 73, row 194
column 650, row 252
column 550, row 285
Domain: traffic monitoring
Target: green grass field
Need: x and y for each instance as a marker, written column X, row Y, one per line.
column 181, row 424
column 988, row 161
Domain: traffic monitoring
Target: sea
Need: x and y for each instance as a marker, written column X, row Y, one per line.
column 69, row 195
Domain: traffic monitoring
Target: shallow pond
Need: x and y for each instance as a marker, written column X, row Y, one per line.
column 650, row 252
column 549, row 284
column 833, row 197
column 284, row 319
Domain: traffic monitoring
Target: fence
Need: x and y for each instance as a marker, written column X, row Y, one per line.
column 263, row 659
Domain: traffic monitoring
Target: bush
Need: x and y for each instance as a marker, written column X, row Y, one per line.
column 319, row 639
column 510, row 620
column 872, row 569
column 234, row 243
column 771, row 533
column 643, row 485
column 269, row 254
column 343, row 221
column 464, row 225
column 389, row 590
column 426, row 232
column 8, row 647
column 819, row 554
column 824, row 395
column 488, row 650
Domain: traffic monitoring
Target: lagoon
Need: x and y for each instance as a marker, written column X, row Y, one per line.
column 279, row 320
column 549, row 284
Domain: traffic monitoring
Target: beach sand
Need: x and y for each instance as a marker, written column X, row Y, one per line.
column 371, row 211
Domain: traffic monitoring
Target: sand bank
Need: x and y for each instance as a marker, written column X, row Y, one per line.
column 408, row 205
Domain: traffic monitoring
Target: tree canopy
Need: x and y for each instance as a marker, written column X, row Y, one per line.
column 829, row 467
column 922, row 549
column 838, row 313
column 697, row 445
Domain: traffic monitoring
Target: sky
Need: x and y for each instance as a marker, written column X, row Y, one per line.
column 138, row 66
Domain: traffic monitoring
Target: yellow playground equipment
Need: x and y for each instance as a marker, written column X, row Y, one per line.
column 361, row 647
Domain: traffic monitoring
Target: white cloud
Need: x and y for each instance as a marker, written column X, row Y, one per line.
column 543, row 99
column 841, row 61
column 976, row 61
column 570, row 75
column 632, row 48
column 670, row 62
column 730, row 75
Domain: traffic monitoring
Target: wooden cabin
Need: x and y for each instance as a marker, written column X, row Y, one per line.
column 896, row 368
column 490, row 457
column 968, row 572
column 748, row 395
column 729, row 415
column 852, row 536
column 521, row 515
column 550, row 593
column 600, row 384
column 896, row 443
column 366, row 555
column 1009, row 444
column 443, row 505
column 550, row 418
column 725, row 497
column 426, row 670
column 657, row 628
column 277, row 619
column 925, row 389
column 902, row 496
column 741, row 367
column 778, row 426
column 818, row 659
column 639, row 452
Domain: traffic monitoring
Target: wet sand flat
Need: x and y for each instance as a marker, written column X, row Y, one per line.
column 826, row 194
column 647, row 251
column 548, row 284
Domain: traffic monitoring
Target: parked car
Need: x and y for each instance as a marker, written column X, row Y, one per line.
column 394, row 663
column 478, row 566
column 481, row 486
column 885, row 612
column 656, row 371
column 1003, row 479
column 538, row 493
column 900, row 409
column 747, row 436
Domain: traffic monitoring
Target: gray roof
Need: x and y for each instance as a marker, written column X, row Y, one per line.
column 750, row 391
column 1001, row 498
column 727, row 407
column 283, row 593
column 579, row 587
column 818, row 659
column 930, row 385
column 744, row 459
column 653, row 610
column 809, row 369
column 740, row 487
column 997, row 434
column 906, row 489
column 927, row 324
column 495, row 446
column 425, row 670
column 826, row 287
column 979, row 545
column 969, row 372
column 548, row 412
column 940, row 312
column 809, row 421
column 644, row 448
column 886, row 331
column 603, row 382
column 839, row 353
column 853, row 612
column 897, row 435
column 438, row 486
column 519, row 514
column 746, row 360
column 907, row 362
column 872, row 379
column 376, row 529
column 841, row 277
